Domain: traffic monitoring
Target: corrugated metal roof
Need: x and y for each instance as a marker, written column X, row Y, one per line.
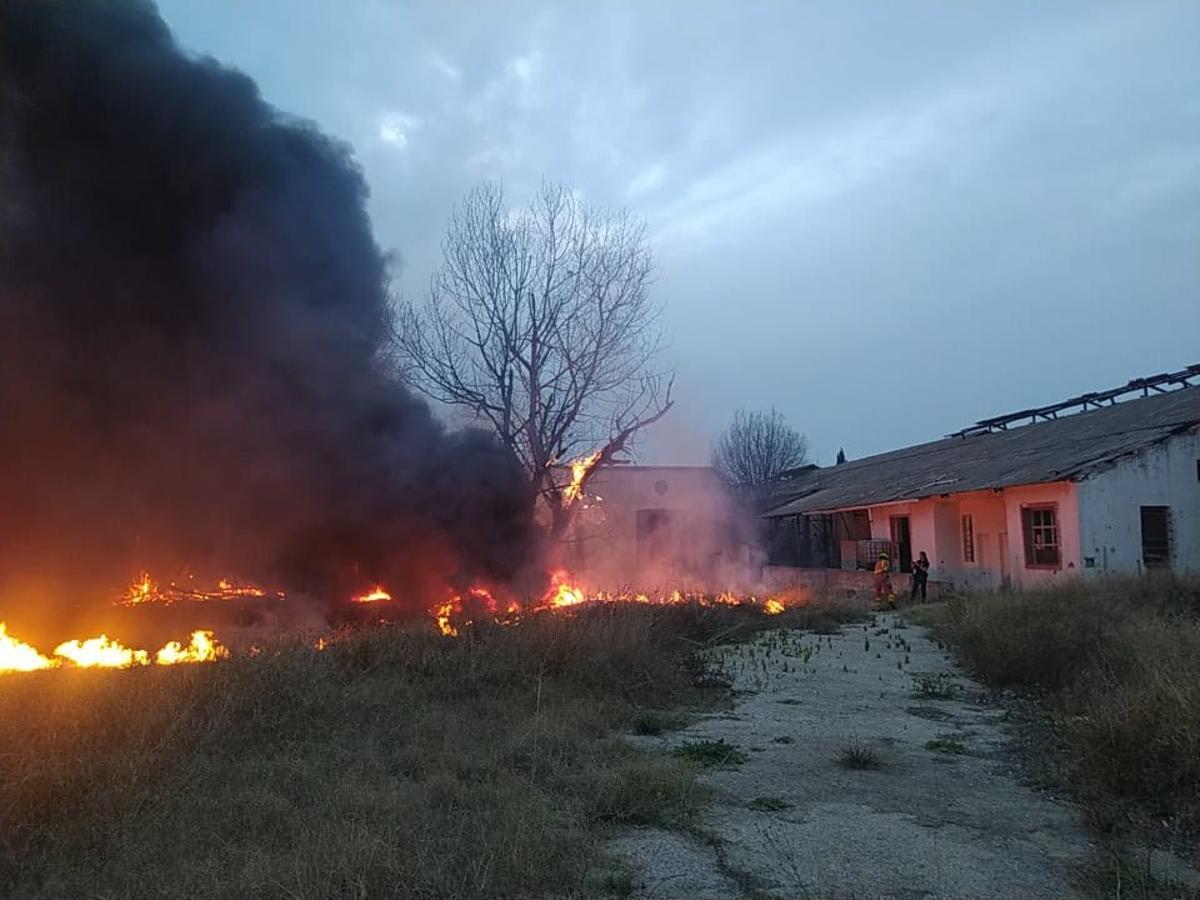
column 1031, row 454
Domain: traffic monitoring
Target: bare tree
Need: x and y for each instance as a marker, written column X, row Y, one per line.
column 756, row 447
column 539, row 322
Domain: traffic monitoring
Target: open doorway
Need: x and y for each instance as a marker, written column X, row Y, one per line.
column 902, row 538
column 655, row 537
column 1156, row 537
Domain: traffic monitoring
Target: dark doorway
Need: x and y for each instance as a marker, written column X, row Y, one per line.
column 654, row 536
column 903, row 541
column 1156, row 537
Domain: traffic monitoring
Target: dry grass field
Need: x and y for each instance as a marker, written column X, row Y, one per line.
column 1116, row 664
column 393, row 763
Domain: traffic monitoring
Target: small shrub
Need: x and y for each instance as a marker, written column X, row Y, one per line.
column 711, row 753
column 618, row 884
column 946, row 745
column 783, row 739
column 934, row 685
column 1125, row 877
column 656, row 721
column 932, row 713
column 632, row 789
column 859, row 757
column 768, row 804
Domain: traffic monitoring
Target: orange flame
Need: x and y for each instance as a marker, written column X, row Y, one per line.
column 374, row 595
column 145, row 589
column 441, row 615
column 104, row 652
column 16, row 656
column 142, row 590
column 562, row 592
column 101, row 651
column 579, row 470
column 203, row 648
column 478, row 598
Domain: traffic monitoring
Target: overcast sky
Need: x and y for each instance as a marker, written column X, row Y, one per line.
column 885, row 220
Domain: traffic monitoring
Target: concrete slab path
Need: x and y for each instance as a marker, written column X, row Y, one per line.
column 945, row 814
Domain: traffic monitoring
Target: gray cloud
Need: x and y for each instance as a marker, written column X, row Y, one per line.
column 885, row 221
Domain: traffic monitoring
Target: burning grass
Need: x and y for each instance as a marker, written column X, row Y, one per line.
column 393, row 762
column 1117, row 665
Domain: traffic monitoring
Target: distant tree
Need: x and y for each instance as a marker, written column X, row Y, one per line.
column 841, row 457
column 757, row 447
column 539, row 322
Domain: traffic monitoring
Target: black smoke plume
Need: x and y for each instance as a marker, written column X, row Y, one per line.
column 192, row 314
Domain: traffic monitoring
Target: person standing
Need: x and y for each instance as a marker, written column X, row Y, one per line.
column 920, row 576
column 883, row 581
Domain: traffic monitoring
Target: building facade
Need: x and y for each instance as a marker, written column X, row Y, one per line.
column 653, row 527
column 1114, row 489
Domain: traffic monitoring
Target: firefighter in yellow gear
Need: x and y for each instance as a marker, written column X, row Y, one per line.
column 883, row 581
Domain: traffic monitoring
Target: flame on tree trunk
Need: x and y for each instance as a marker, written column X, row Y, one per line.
column 565, row 499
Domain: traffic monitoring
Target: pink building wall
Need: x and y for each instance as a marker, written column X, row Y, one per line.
column 1065, row 495
column 936, row 526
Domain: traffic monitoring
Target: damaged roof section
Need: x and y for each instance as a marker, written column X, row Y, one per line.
column 1057, row 450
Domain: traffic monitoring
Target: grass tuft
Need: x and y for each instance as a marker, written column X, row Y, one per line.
column 1134, row 878
column 932, row 713
column 859, row 757
column 934, row 685
column 949, row 745
column 711, row 753
column 657, row 721
column 768, row 804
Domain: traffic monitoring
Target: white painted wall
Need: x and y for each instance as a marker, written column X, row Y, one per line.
column 1110, row 507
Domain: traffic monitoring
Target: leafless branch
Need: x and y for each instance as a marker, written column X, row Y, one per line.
column 756, row 447
column 539, row 321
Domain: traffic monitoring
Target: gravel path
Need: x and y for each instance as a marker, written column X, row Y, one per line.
column 944, row 815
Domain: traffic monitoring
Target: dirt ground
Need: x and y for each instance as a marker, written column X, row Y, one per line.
column 943, row 815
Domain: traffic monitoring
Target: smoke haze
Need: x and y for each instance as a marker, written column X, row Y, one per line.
column 192, row 312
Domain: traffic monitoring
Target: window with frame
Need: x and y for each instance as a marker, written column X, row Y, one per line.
column 1040, row 524
column 968, row 539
